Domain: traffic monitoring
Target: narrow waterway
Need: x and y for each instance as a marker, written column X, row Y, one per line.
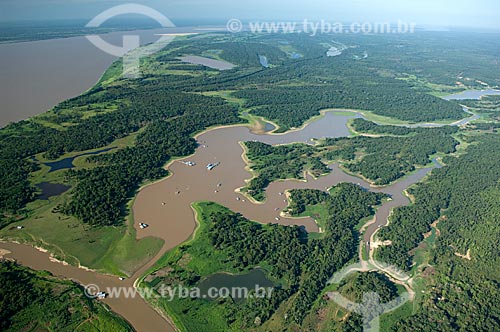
column 166, row 205
column 134, row 309
column 472, row 94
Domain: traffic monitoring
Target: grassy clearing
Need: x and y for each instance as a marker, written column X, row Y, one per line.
column 364, row 252
column 279, row 319
column 319, row 213
column 152, row 67
column 437, row 90
column 383, row 120
column 225, row 94
column 326, row 315
column 110, row 249
column 113, row 73
column 204, row 260
column 127, row 253
column 389, row 319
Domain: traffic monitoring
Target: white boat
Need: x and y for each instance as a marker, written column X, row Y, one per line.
column 101, row 295
column 212, row 166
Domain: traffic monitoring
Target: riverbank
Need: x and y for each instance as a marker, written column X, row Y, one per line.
column 134, row 309
column 198, row 184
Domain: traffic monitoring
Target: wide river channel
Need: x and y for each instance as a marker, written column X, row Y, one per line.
column 37, row 75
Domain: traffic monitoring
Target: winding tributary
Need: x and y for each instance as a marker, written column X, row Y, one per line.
column 166, row 205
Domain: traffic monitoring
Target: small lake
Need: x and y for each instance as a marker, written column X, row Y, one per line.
column 251, row 280
column 67, row 163
column 51, row 189
column 207, row 62
column 269, row 127
column 263, row 61
column 333, row 51
column 364, row 56
column 472, row 94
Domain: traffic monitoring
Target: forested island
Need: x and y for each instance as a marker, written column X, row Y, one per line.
column 396, row 152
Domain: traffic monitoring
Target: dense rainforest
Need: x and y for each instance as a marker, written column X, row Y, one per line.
column 290, row 91
column 171, row 119
column 385, row 159
column 270, row 163
column 463, row 198
column 292, row 106
column 459, row 200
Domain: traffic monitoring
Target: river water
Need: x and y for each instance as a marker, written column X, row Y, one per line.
column 472, row 94
column 135, row 310
column 166, row 205
column 207, row 62
column 38, row 75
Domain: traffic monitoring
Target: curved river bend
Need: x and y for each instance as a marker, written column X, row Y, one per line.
column 166, row 204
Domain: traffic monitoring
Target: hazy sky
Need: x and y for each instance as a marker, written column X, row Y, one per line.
column 478, row 13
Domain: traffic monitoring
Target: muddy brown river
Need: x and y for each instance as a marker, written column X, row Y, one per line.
column 135, row 310
column 166, row 205
column 37, row 75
